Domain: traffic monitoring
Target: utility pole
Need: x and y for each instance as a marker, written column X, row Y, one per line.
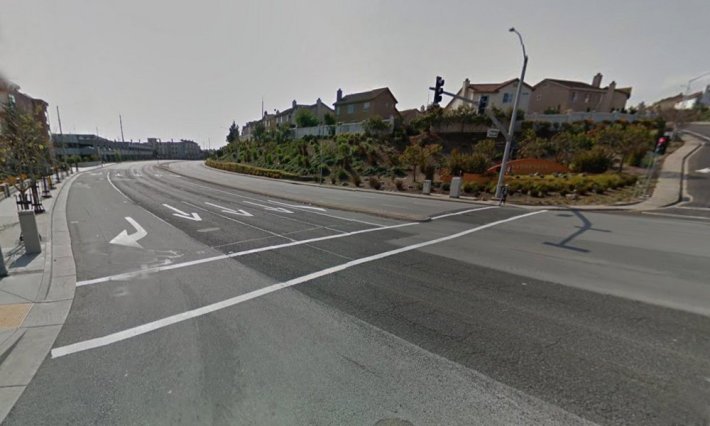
column 513, row 117
column 120, row 122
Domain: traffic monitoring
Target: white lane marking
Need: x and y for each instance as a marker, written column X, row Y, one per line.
column 463, row 212
column 133, row 274
column 705, row 209
column 204, row 310
column 273, row 209
column 239, row 221
column 124, row 239
column 320, row 209
column 208, row 230
column 240, row 212
column 683, row 216
column 705, row 170
column 179, row 213
column 108, row 177
column 189, row 181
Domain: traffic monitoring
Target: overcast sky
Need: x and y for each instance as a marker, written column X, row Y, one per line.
column 186, row 69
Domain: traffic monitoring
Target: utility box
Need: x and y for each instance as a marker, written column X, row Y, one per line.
column 30, row 233
column 426, row 188
column 455, row 190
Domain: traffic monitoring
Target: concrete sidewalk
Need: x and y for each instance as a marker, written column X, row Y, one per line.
column 36, row 296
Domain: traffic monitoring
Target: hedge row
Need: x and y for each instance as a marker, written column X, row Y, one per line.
column 256, row 171
column 540, row 186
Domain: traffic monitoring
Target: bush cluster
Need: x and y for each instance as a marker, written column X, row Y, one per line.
column 256, row 171
column 540, row 186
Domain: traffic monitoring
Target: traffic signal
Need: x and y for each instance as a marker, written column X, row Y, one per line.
column 438, row 90
column 661, row 145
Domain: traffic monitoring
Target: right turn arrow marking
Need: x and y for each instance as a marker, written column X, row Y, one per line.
column 179, row 213
column 239, row 212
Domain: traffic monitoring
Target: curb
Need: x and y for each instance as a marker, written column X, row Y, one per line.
column 33, row 340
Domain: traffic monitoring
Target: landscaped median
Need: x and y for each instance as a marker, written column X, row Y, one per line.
column 256, row 171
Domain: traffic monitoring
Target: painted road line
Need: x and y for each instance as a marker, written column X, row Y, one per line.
column 141, row 272
column 683, row 216
column 189, row 181
column 463, row 212
column 320, row 209
column 179, row 213
column 239, row 221
column 108, row 177
column 273, row 209
column 184, row 316
column 124, row 239
column 239, row 212
column 704, row 209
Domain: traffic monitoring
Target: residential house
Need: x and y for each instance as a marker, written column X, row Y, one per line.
column 357, row 107
column 10, row 94
column 409, row 115
column 563, row 96
column 497, row 95
column 666, row 104
column 318, row 109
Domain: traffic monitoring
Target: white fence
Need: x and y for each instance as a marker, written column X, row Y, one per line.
column 583, row 116
column 325, row 130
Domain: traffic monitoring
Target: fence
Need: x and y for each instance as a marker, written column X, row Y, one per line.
column 325, row 130
column 583, row 116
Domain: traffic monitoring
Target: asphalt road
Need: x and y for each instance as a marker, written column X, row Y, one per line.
column 236, row 308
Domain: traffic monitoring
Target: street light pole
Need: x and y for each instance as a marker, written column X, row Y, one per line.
column 513, row 117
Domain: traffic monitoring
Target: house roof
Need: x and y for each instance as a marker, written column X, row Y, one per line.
column 584, row 86
column 364, row 96
column 493, row 87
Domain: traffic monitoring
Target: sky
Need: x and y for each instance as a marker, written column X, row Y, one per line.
column 186, row 69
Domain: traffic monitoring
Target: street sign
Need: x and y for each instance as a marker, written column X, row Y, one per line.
column 492, row 133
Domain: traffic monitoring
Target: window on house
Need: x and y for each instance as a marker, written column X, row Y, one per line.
column 351, row 108
column 539, row 97
column 586, row 99
column 366, row 105
column 337, row 110
column 506, row 98
column 574, row 96
column 12, row 99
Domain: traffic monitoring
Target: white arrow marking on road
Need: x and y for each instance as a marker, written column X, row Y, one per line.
column 189, row 216
column 705, row 170
column 273, row 209
column 320, row 209
column 240, row 212
column 123, row 239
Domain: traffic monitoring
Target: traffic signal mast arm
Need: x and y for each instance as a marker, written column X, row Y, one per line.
column 488, row 112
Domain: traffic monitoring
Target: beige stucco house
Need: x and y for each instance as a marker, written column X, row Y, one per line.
column 562, row 96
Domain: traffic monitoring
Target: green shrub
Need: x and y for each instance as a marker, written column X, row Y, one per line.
column 355, row 178
column 593, row 161
column 374, row 182
column 446, row 186
column 256, row 171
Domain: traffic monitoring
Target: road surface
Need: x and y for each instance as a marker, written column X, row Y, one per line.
column 203, row 304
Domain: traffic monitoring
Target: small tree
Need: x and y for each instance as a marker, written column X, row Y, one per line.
column 486, row 148
column 233, row 135
column 24, row 149
column 305, row 118
column 259, row 132
column 375, row 126
column 412, row 157
column 328, row 119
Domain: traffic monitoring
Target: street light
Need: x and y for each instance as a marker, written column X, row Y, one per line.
column 513, row 117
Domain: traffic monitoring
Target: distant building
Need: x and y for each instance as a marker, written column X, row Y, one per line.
column 93, row 147
column 563, row 96
column 666, row 104
column 357, row 107
column 494, row 95
column 175, row 150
